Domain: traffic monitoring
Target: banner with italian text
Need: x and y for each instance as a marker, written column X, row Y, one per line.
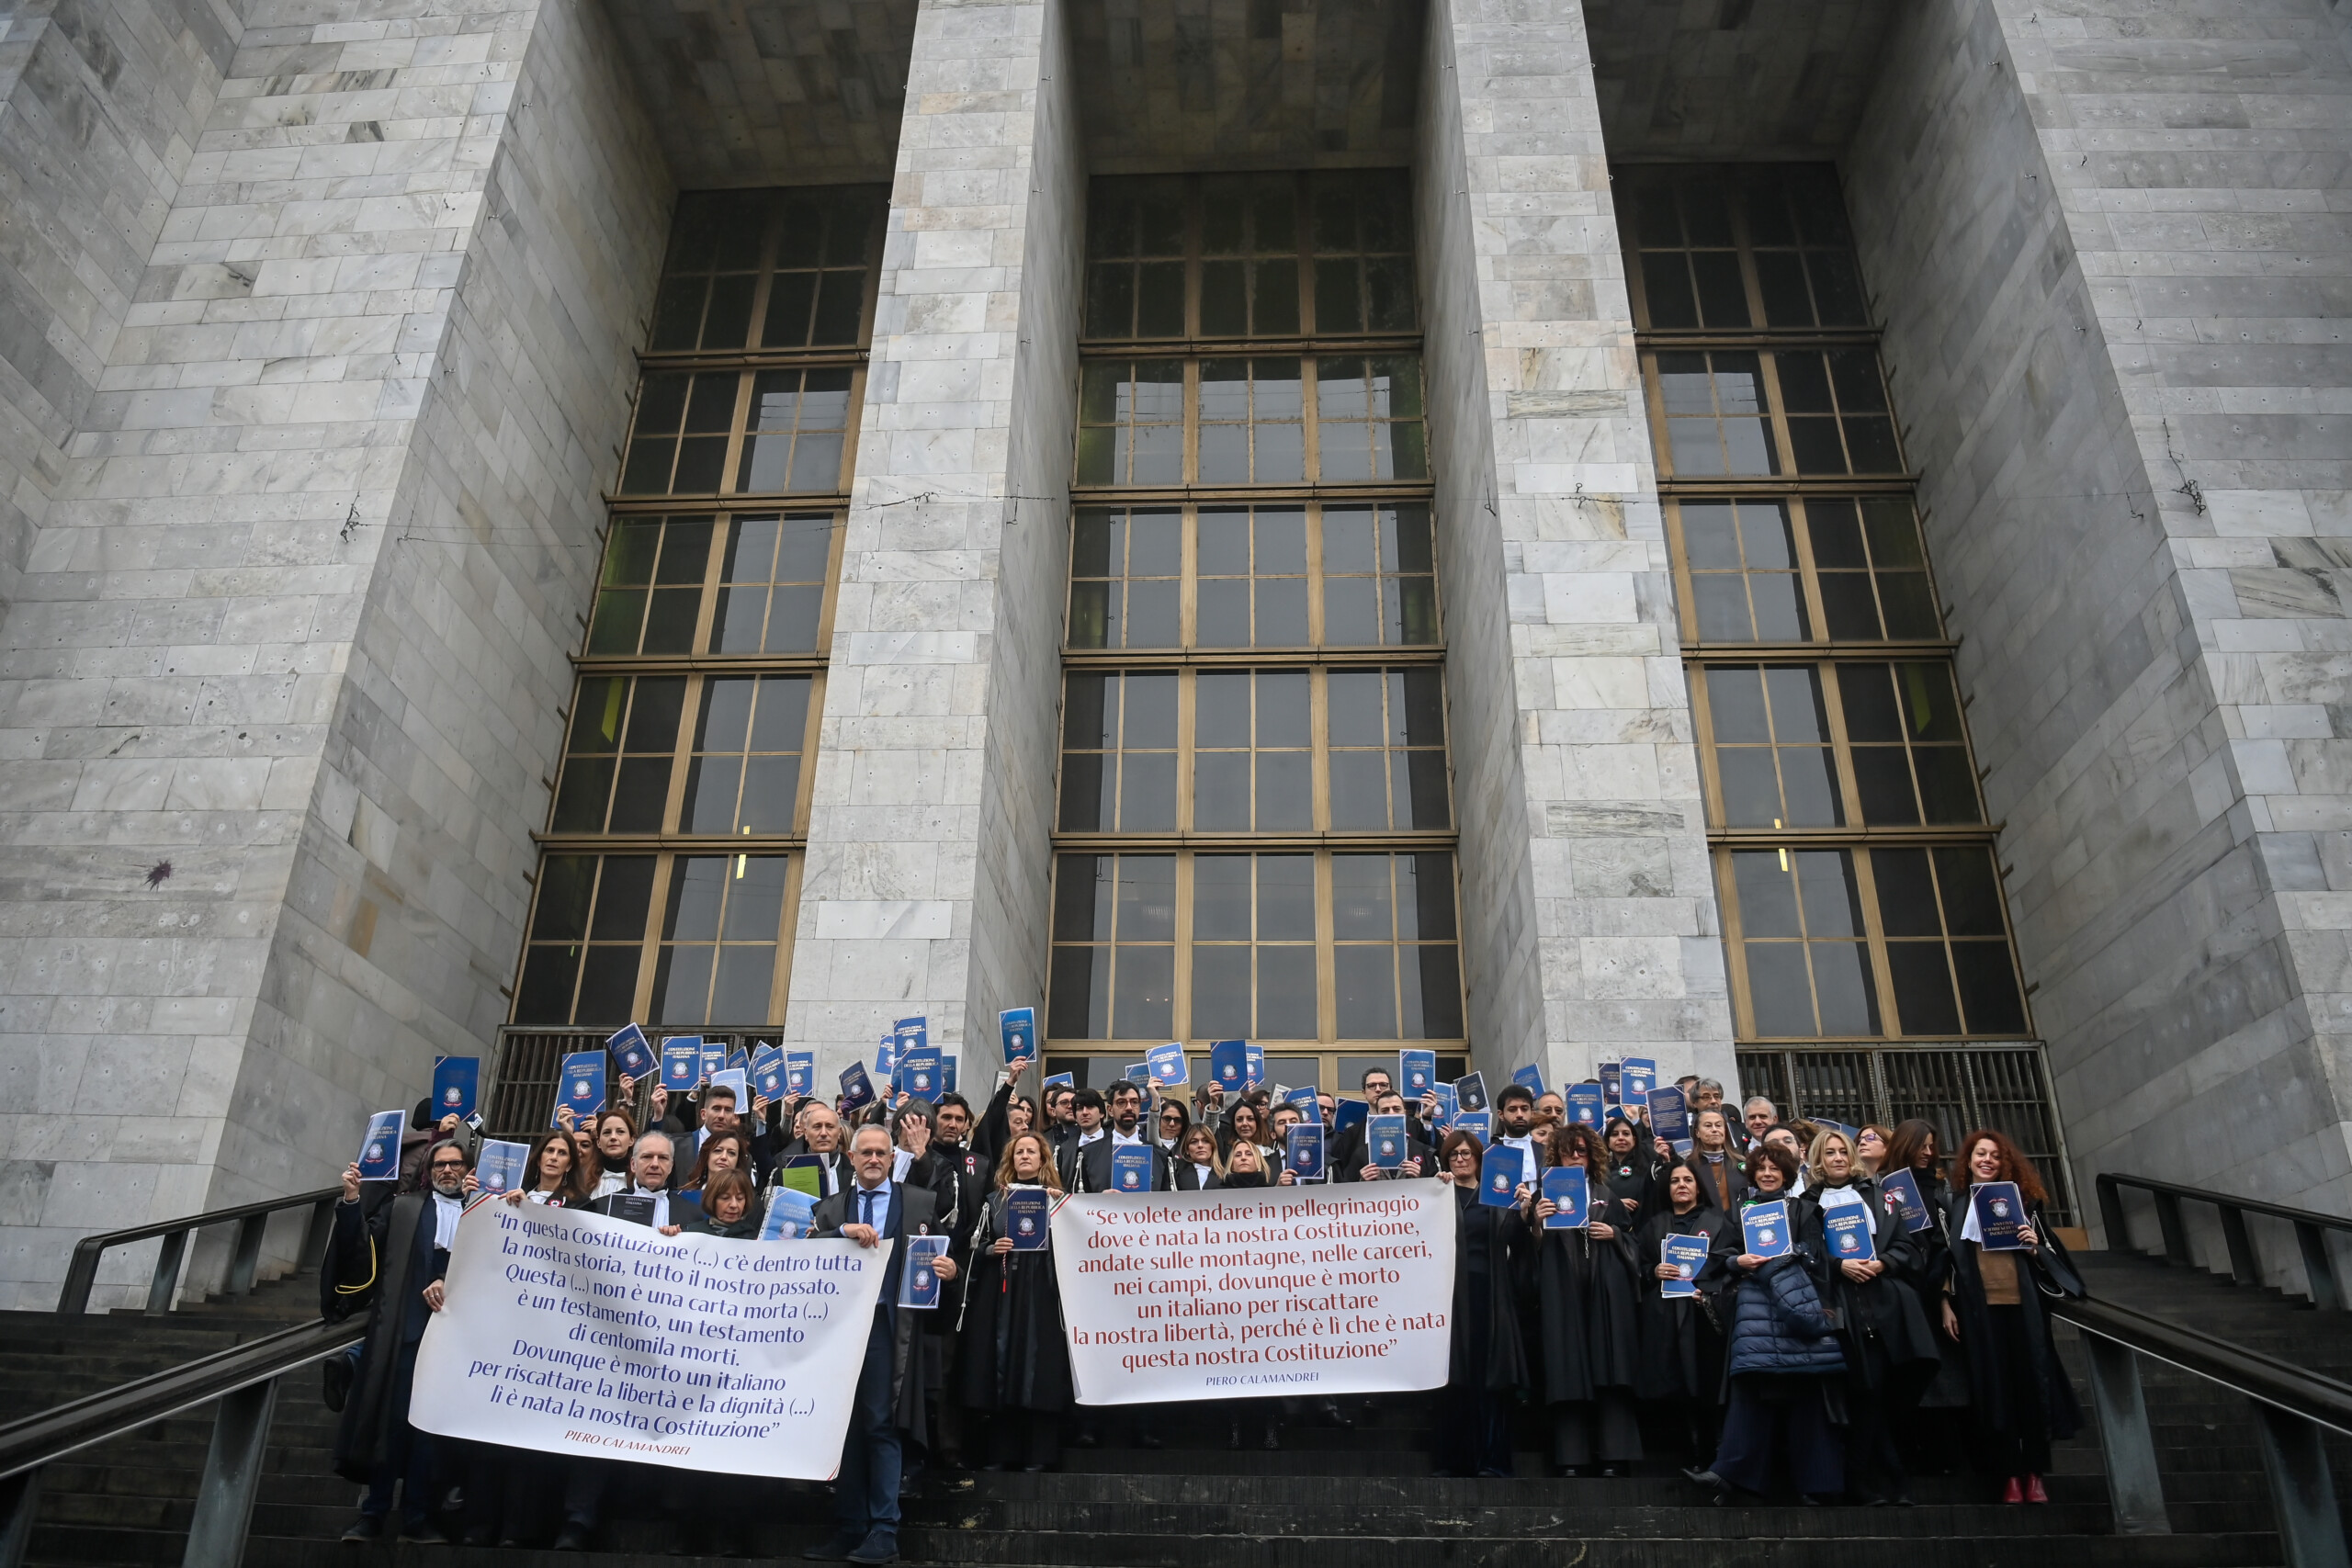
column 571, row 1333
column 1312, row 1289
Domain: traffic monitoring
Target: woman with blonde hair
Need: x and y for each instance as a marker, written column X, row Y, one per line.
column 1013, row 1354
column 1198, row 1167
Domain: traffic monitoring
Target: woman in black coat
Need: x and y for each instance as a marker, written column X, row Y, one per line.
column 1630, row 1168
column 1488, row 1361
column 1785, row 1370
column 1195, row 1166
column 1589, row 1330
column 1012, row 1353
column 1682, row 1366
column 2019, row 1393
column 1889, row 1354
column 1927, row 1433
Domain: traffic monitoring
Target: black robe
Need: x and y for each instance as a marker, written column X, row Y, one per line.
column 1989, row 1389
column 380, row 1255
column 1885, row 1333
column 1928, row 1271
column 1011, row 1351
column 1486, row 1350
column 1682, row 1338
column 1589, row 1330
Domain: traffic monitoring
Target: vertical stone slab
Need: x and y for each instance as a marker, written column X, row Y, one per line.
column 281, row 682
column 924, row 885
column 1591, row 921
column 2110, row 245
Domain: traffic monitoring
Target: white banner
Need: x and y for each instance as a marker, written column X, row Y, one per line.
column 571, row 1333
column 1289, row 1290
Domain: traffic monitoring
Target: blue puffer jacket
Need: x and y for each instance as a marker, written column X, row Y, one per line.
column 1765, row 1337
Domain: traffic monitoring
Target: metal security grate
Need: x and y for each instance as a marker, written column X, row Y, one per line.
column 521, row 1093
column 1952, row 1090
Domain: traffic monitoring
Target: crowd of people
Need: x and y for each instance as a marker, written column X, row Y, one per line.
column 1800, row 1374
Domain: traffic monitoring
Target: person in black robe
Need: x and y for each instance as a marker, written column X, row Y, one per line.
column 1488, row 1361
column 1929, row 1435
column 1587, row 1328
column 2019, row 1394
column 1682, row 1370
column 1013, row 1354
column 1889, row 1355
column 1629, row 1171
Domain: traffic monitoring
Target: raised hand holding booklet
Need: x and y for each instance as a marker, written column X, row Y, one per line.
column 379, row 1151
column 1765, row 1228
column 799, row 1071
column 1230, row 1064
column 455, row 1081
column 1016, row 1028
column 1688, row 1255
column 1479, row 1125
column 1531, row 1078
column 681, row 1064
column 918, row 1072
column 632, row 1053
column 1637, row 1075
column 1470, row 1091
column 1349, row 1113
column 1167, row 1065
column 1670, row 1117
column 1570, row 1191
column 580, row 1089
column 857, row 1089
column 1416, row 1074
column 768, row 1073
column 1585, row 1105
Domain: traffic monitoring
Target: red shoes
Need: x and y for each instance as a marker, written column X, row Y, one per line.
column 2011, row 1492
column 2029, row 1491
column 2033, row 1492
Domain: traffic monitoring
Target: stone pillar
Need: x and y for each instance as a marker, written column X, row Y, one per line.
column 924, row 889
column 1592, row 924
column 282, row 679
column 2109, row 245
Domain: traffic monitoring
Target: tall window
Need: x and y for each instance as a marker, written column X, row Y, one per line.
column 670, row 866
column 1860, row 889
column 1255, row 827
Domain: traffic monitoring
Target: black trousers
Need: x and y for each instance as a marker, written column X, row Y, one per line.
column 513, row 1493
column 1873, row 1467
column 2024, row 1449
column 1780, row 1417
column 1473, row 1431
column 1603, row 1429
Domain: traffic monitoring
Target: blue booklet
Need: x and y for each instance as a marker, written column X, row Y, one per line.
column 1470, row 1091
column 379, row 1151
column 714, row 1057
column 1016, row 1031
column 1131, row 1168
column 1349, row 1113
column 581, row 1087
column 1670, row 1115
column 1303, row 1157
column 1416, row 1074
column 1167, row 1065
column 1823, row 1124
column 1900, row 1191
column 1846, row 1229
column 1611, row 1080
column 1585, row 1105
column 1637, row 1075
column 2000, row 1211
column 918, row 1073
column 918, row 1280
column 1499, row 1178
column 1448, row 1108
column 1062, row 1080
column 791, row 1215
column 455, row 1082
column 1479, row 1124
column 768, row 1073
column 1230, row 1064
column 857, row 1089
column 631, row 1051
column 737, row 1079
column 1136, row 1073
column 681, row 1064
column 910, row 1034
column 499, row 1168
column 737, row 1061
column 799, row 1071
column 1027, row 1210
column 1304, row 1097
column 947, row 1062
column 1571, row 1194
column 1384, row 1142
column 1765, row 1228
column 1257, row 1057
column 1531, row 1078
column 1689, row 1256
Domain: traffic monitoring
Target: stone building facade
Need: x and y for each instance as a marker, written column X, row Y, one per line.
column 327, row 330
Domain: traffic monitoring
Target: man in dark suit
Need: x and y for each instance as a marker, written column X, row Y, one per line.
column 1086, row 1166
column 1356, row 1164
column 820, row 1137
column 391, row 1258
column 647, row 1200
column 874, row 1210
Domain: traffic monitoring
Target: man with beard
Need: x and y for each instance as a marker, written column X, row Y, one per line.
column 1087, row 1168
column 1515, row 1125
column 392, row 1262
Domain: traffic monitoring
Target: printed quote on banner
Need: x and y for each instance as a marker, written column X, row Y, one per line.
column 571, row 1333
column 1322, row 1289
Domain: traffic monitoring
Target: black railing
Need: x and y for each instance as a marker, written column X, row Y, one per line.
column 2290, row 1408
column 243, row 1380
column 2245, row 1267
column 251, row 1221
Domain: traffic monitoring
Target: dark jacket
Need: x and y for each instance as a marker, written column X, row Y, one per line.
column 685, row 1208
column 380, row 1256
column 1489, row 1245
column 1989, row 1382
column 915, row 1212
column 1011, row 1352
column 1088, row 1169
column 1187, row 1178
column 1888, row 1346
column 1681, row 1340
column 1767, row 1332
column 1587, row 1328
column 744, row 1229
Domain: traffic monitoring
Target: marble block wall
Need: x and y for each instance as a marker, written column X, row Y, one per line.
column 2110, row 248
column 100, row 105
column 925, row 886
column 1591, row 927
column 281, row 677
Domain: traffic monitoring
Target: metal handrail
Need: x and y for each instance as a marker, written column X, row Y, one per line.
column 43, row 1438
column 251, row 1221
column 2319, row 1269
column 2280, row 1384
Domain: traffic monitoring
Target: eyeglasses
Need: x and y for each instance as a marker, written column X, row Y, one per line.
column 448, row 1164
